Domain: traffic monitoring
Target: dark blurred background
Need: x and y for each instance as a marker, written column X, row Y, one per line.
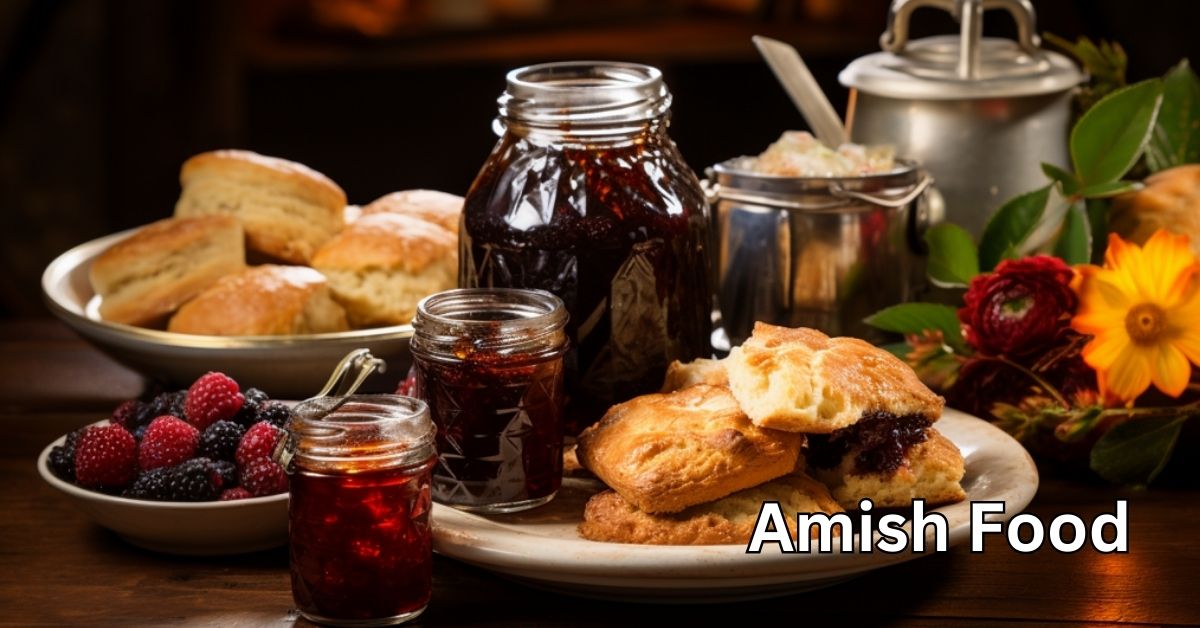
column 100, row 101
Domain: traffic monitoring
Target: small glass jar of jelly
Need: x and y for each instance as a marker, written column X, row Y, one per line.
column 361, row 545
column 489, row 362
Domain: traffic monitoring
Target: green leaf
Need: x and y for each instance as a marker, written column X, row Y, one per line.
column 916, row 318
column 1176, row 137
column 1074, row 245
column 1097, row 211
column 1136, row 451
column 1109, row 138
column 1068, row 181
column 953, row 260
column 1106, row 190
column 1010, row 226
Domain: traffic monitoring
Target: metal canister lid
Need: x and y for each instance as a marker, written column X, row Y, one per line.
column 963, row 66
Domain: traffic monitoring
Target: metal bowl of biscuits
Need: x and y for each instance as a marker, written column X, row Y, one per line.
column 289, row 366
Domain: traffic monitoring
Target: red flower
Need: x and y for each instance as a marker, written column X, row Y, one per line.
column 1020, row 308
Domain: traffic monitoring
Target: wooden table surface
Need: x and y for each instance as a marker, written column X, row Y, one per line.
column 57, row 568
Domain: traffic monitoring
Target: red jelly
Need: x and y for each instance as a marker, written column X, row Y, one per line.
column 490, row 365
column 586, row 196
column 361, row 546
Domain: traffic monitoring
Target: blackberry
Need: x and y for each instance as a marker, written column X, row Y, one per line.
column 227, row 471
column 168, row 403
column 194, row 481
column 220, row 440
column 62, row 457
column 151, row 485
column 275, row 413
column 248, row 415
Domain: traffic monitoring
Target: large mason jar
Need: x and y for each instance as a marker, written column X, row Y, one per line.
column 586, row 196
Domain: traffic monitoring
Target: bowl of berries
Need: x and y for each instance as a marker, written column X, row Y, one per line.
column 185, row 472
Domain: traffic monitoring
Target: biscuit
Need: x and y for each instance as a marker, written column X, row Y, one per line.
column 287, row 209
column 729, row 520
column 699, row 371
column 800, row 380
column 931, row 470
column 440, row 208
column 151, row 273
column 381, row 266
column 665, row 452
column 263, row 300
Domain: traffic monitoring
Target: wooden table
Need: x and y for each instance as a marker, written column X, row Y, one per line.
column 57, row 568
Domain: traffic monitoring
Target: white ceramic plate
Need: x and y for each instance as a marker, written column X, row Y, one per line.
column 287, row 366
column 193, row 528
column 541, row 547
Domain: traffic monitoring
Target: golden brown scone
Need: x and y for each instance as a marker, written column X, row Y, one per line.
column 263, row 300
column 699, row 371
column 730, row 520
column 1170, row 200
column 151, row 273
column 383, row 264
column 932, row 470
column 800, row 380
column 288, row 209
column 351, row 213
column 665, row 452
column 440, row 208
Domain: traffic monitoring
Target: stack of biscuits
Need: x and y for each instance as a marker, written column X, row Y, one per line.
column 266, row 246
column 793, row 416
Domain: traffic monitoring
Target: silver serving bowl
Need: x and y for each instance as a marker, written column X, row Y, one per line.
column 284, row 366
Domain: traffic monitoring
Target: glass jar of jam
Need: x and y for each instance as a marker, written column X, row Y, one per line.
column 489, row 362
column 360, row 540
column 586, row 196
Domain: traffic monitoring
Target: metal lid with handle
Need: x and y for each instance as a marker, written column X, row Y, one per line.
column 964, row 66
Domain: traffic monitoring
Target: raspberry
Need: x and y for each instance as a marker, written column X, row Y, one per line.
column 258, row 443
column 264, row 477
column 220, row 441
column 214, row 397
column 194, row 481
column 168, row 441
column 126, row 414
column 236, row 492
column 150, row 485
column 274, row 413
column 62, row 457
column 105, row 457
column 227, row 471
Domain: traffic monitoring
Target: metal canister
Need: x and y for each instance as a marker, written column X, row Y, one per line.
column 980, row 113
column 822, row 252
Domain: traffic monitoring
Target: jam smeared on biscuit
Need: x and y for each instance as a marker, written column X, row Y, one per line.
column 881, row 438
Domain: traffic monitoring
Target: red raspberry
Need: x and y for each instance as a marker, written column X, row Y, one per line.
column 236, row 492
column 258, row 443
column 105, row 457
column 168, row 441
column 126, row 414
column 264, row 477
column 214, row 397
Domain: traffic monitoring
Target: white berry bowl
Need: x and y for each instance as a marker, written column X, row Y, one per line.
column 191, row 528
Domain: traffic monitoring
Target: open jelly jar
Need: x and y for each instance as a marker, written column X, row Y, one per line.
column 489, row 362
column 361, row 545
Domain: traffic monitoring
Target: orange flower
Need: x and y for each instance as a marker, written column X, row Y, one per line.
column 1143, row 311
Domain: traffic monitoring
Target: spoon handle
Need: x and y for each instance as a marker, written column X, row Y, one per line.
column 800, row 85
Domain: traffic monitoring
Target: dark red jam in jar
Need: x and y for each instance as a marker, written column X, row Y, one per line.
column 586, row 196
column 361, row 545
column 489, row 362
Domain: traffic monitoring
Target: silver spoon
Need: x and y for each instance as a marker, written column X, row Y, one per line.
column 800, row 85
